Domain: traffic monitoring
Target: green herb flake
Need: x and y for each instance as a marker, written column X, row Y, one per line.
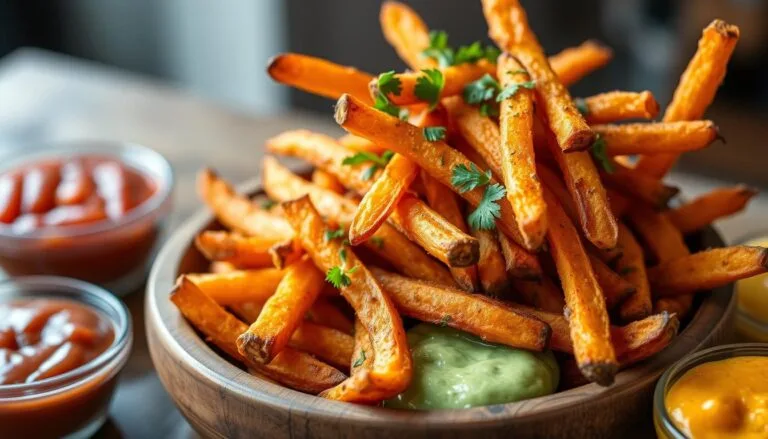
column 331, row 234
column 267, row 204
column 512, row 89
column 429, row 86
column 485, row 215
column 433, row 134
column 600, row 154
column 465, row 178
column 378, row 241
column 381, row 103
column 581, row 105
column 337, row 277
column 360, row 360
column 388, row 83
column 481, row 90
column 343, row 256
column 445, row 320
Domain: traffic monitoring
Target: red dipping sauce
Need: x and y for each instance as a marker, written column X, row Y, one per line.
column 90, row 210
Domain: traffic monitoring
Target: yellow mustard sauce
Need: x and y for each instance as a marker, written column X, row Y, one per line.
column 722, row 399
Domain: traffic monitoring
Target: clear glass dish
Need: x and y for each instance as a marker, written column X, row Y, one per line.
column 113, row 254
column 72, row 405
column 665, row 427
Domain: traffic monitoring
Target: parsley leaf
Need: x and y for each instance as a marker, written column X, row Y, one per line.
column 445, row 55
column 492, row 54
column 369, row 172
column 429, row 86
column 378, row 241
column 469, row 54
column 489, row 110
column 465, row 179
column 438, row 48
column 343, row 256
column 267, row 204
column 433, row 134
column 331, row 234
column 511, row 89
column 388, row 83
column 365, row 156
column 359, row 362
column 581, row 105
column 484, row 216
column 445, row 320
column 381, row 103
column 599, row 153
column 484, row 89
column 337, row 277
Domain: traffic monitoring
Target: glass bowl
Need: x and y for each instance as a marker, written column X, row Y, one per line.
column 74, row 404
column 665, row 427
column 114, row 254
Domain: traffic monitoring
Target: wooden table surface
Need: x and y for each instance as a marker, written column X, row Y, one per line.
column 46, row 97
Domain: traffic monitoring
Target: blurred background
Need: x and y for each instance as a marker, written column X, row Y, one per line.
column 218, row 50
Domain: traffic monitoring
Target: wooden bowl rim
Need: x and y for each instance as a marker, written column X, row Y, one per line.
column 196, row 356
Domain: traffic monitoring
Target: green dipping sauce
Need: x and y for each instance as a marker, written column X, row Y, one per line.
column 453, row 369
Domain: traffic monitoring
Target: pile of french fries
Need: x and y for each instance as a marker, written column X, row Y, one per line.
column 472, row 191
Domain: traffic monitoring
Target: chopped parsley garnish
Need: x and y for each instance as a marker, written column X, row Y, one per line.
column 267, row 204
column 445, row 320
column 512, row 89
column 388, row 83
column 487, row 93
column 433, row 134
column 484, row 216
column 378, row 241
column 381, row 103
column 364, row 157
column 600, row 154
column 360, row 360
column 343, row 256
column 465, row 179
column 331, row 234
column 581, row 105
column 339, row 276
column 429, row 85
column 445, row 55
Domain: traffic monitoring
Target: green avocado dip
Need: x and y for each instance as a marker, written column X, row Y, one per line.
column 453, row 369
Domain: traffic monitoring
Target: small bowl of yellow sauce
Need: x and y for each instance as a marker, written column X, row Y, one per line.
column 721, row 392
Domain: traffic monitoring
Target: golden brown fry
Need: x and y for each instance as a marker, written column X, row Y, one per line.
column 362, row 355
column 707, row 208
column 291, row 368
column 282, row 313
column 407, row 257
column 327, row 181
column 390, row 372
column 615, row 106
column 325, row 313
column 239, row 250
column 639, row 185
column 541, row 294
column 508, row 28
column 454, row 77
column 588, row 316
column 319, row 76
column 491, row 267
column 614, row 288
column 357, row 143
column 590, row 199
column 574, row 63
column 285, row 253
column 446, row 204
column 518, row 161
column 405, row 31
column 707, row 269
column 435, row 233
column 488, row 319
column 236, row 211
column 697, row 87
column 325, row 343
column 383, row 196
column 656, row 138
column 632, row 266
column 520, row 263
column 239, row 286
column 436, row 158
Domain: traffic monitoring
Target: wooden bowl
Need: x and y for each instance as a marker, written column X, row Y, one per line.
column 221, row 400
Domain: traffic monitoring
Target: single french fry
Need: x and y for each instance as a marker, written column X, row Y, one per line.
column 377, row 204
column 589, row 196
column 239, row 286
column 291, row 368
column 404, row 30
column 518, row 164
column 488, row 319
column 632, row 266
column 446, row 204
column 319, row 76
column 407, row 257
column 639, row 185
column 615, row 106
column 541, row 294
column 357, row 143
column 697, row 87
column 491, row 267
column 362, row 355
column 283, row 312
column 327, row 344
column 327, row 181
column 390, row 372
column 656, row 138
column 445, row 242
column 615, row 289
column 436, row 158
column 519, row 262
column 237, row 212
column 588, row 315
column 325, row 313
column 241, row 251
column 707, row 269
column 508, row 28
column 454, row 80
column 707, row 208
column 574, row 63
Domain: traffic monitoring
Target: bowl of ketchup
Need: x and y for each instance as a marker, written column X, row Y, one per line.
column 63, row 343
column 91, row 210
